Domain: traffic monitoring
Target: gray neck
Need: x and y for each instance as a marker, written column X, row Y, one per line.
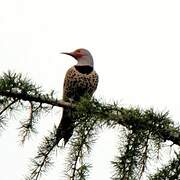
column 85, row 61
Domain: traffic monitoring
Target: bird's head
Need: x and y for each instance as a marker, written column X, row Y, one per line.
column 83, row 56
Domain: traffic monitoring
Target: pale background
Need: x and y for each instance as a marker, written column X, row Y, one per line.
column 136, row 49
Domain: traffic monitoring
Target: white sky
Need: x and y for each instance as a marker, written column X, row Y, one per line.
column 135, row 45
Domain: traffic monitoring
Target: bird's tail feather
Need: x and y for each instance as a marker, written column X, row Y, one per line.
column 66, row 126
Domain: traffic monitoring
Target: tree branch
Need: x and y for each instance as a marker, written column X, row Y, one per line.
column 121, row 117
column 40, row 98
column 171, row 134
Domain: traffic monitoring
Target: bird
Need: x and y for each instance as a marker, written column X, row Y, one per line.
column 80, row 80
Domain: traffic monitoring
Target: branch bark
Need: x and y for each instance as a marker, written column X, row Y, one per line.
column 40, row 99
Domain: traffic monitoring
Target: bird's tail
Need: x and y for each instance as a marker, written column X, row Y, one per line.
column 66, row 126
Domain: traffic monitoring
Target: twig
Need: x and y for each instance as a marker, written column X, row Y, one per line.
column 9, row 105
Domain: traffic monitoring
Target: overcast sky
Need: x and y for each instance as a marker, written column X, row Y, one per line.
column 136, row 50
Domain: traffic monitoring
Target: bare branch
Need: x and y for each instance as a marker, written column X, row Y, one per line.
column 40, row 98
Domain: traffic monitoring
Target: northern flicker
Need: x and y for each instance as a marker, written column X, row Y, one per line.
column 80, row 79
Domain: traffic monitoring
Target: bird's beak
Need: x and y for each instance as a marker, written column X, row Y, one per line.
column 70, row 54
